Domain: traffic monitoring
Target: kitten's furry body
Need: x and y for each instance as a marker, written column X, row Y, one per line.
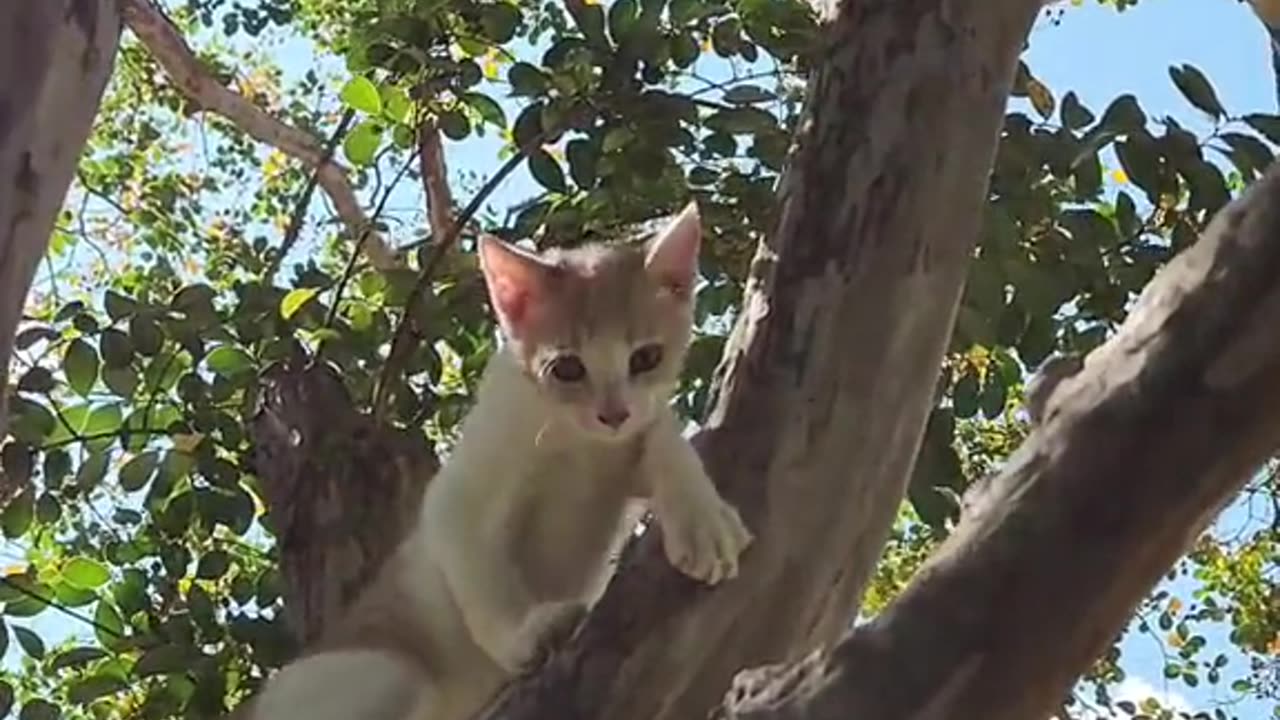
column 517, row 528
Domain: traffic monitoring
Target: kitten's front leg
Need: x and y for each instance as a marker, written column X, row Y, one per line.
column 501, row 615
column 702, row 534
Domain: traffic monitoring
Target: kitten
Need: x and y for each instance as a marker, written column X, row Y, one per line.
column 571, row 425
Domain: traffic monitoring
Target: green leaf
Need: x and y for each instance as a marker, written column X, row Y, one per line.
column 145, row 334
column 122, row 381
column 1195, row 87
column 37, row 380
column 684, row 49
column 118, row 306
column 86, row 573
column 583, row 159
column 104, row 419
column 488, row 109
column 6, row 698
column 362, row 143
column 1041, row 98
column 454, row 125
column 229, row 361
column 1123, row 115
column 499, row 21
column 295, row 299
column 622, row 17
column 361, row 94
column 30, row 642
column 39, row 710
column 1074, row 114
column 590, row 21
column 162, row 660
column 396, row 104
column 748, row 95
column 80, row 363
column 1268, row 125
column 965, row 396
column 17, row 516
column 743, row 120
column 92, row 470
column 86, row 690
column 993, row 396
column 77, row 657
column 117, row 350
column 213, row 565
column 108, row 625
column 546, row 171
column 526, row 80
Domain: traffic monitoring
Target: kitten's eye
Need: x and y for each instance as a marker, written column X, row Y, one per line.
column 568, row 368
column 645, row 358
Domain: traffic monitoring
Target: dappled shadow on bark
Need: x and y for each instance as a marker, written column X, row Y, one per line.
column 342, row 491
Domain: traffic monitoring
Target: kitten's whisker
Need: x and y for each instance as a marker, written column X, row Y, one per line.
column 537, row 439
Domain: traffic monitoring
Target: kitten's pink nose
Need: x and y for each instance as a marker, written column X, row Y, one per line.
column 613, row 418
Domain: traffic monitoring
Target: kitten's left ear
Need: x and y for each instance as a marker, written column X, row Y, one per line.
column 672, row 259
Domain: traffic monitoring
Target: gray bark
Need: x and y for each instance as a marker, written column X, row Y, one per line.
column 55, row 59
column 1137, row 453
column 829, row 375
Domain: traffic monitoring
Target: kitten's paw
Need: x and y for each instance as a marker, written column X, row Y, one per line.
column 703, row 539
column 545, row 630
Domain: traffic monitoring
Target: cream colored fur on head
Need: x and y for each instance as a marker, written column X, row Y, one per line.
column 571, row 428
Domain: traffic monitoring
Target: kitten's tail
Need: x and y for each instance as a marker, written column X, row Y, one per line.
column 344, row 685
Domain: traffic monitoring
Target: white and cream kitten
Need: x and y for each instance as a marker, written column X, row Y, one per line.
column 571, row 424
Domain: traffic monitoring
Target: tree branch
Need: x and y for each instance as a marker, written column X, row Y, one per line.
column 1138, row 452
column 435, row 180
column 828, row 377
column 194, row 80
column 55, row 59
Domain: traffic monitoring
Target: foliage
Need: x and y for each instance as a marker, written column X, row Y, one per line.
column 130, row 506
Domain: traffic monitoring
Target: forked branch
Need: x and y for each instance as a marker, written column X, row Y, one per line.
column 1136, row 454
column 194, row 80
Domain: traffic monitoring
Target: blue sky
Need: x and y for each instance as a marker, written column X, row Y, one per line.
column 1099, row 54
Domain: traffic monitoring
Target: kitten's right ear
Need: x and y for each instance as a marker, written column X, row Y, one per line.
column 517, row 280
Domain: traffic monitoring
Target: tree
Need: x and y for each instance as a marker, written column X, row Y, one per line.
column 193, row 388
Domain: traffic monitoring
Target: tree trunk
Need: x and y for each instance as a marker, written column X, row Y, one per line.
column 1136, row 455
column 342, row 491
column 831, row 370
column 55, row 58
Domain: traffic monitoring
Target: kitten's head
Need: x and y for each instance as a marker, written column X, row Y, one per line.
column 602, row 329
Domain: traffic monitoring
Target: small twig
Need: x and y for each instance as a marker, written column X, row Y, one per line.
column 60, row 607
column 304, row 199
column 443, row 244
column 102, row 436
column 349, row 270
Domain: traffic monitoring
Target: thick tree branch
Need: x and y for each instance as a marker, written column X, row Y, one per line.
column 435, row 181
column 829, row 375
column 55, row 59
column 1137, row 453
column 194, row 80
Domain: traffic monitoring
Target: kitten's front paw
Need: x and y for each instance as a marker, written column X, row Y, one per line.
column 703, row 538
column 545, row 630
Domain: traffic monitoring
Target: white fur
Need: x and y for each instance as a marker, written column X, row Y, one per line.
column 513, row 544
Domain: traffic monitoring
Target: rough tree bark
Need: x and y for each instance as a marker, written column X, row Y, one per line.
column 1138, row 452
column 55, row 58
column 830, row 373
column 829, row 376
column 342, row 491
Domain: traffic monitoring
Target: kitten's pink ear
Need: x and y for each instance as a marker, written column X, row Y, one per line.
column 517, row 281
column 673, row 255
